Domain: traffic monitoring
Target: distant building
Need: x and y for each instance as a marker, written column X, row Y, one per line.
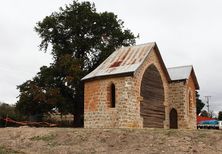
column 133, row 88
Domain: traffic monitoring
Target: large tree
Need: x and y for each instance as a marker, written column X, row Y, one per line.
column 81, row 38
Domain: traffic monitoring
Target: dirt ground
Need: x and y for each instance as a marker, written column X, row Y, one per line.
column 71, row 140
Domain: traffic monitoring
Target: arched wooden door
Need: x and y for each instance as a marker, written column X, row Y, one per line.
column 151, row 108
column 173, row 119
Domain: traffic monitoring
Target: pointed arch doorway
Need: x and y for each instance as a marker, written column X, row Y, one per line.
column 152, row 108
column 173, row 119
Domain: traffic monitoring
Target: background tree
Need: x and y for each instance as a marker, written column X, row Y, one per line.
column 204, row 113
column 7, row 110
column 81, row 38
column 220, row 115
column 199, row 103
column 39, row 95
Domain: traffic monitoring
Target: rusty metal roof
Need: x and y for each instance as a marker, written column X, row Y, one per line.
column 123, row 60
column 127, row 60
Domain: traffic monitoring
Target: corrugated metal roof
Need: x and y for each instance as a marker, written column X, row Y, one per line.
column 180, row 73
column 123, row 60
column 183, row 73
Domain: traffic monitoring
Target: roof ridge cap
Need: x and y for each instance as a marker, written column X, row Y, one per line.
column 136, row 45
column 180, row 66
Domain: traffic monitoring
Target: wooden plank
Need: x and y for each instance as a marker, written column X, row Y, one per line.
column 152, row 109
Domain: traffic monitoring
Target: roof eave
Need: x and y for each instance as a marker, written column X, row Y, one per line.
column 108, row 76
column 162, row 62
column 195, row 79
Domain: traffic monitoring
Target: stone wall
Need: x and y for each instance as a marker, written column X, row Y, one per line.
column 182, row 97
column 98, row 112
column 177, row 100
column 152, row 59
column 191, row 103
column 97, row 109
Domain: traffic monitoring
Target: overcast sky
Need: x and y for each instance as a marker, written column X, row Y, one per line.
column 186, row 31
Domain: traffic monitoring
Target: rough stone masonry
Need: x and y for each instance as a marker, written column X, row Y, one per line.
column 133, row 88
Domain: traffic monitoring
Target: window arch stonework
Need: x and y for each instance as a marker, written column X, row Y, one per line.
column 111, row 95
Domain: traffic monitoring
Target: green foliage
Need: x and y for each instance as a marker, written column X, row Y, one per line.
column 80, row 32
column 81, row 38
column 199, row 103
column 7, row 110
column 4, row 150
column 204, row 113
column 39, row 95
column 220, row 115
column 45, row 138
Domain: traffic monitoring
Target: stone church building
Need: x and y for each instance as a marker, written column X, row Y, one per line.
column 133, row 88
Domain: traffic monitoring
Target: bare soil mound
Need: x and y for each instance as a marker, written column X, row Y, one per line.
column 70, row 140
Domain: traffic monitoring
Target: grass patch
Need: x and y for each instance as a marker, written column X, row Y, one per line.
column 202, row 136
column 171, row 132
column 45, row 138
column 4, row 150
column 49, row 139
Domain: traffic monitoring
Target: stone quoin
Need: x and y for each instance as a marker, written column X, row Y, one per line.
column 133, row 88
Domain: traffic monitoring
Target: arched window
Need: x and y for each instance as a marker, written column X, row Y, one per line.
column 113, row 95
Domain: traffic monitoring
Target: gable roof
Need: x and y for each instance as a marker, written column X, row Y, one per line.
column 182, row 73
column 125, row 61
